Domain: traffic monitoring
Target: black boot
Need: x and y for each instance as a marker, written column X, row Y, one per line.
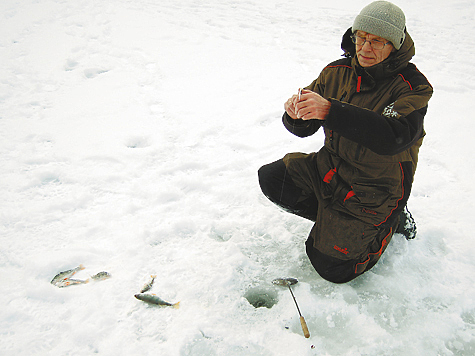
column 407, row 225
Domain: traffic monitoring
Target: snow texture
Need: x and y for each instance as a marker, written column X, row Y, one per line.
column 131, row 132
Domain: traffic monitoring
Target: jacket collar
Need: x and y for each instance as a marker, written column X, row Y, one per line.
column 392, row 65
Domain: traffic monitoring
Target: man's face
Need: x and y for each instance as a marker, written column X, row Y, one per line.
column 367, row 55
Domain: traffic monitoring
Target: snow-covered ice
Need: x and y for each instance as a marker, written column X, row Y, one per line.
column 131, row 132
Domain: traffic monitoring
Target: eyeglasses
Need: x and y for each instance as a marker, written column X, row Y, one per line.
column 375, row 44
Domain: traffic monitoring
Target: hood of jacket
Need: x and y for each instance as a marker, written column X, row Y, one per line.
column 392, row 65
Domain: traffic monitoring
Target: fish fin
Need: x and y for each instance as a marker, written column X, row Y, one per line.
column 176, row 305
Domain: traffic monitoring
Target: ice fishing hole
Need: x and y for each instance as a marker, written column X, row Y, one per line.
column 261, row 297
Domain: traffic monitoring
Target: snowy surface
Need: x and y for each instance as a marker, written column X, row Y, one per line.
column 131, row 132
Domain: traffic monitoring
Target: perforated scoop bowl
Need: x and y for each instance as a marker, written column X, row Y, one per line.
column 285, row 281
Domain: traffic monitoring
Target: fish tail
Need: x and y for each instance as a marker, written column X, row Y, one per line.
column 176, row 305
column 79, row 268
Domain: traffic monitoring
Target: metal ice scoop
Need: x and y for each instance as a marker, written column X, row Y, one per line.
column 287, row 282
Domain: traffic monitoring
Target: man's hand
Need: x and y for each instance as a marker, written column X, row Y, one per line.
column 307, row 106
column 290, row 106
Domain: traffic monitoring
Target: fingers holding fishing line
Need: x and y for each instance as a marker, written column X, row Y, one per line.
column 308, row 105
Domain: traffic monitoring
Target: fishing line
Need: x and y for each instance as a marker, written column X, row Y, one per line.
column 285, row 171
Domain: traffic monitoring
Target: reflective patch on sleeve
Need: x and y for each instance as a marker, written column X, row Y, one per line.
column 389, row 111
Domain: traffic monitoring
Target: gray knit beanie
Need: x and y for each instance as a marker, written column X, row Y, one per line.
column 383, row 19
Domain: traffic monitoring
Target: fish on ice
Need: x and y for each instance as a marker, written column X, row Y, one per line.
column 62, row 279
column 101, row 276
column 154, row 299
column 71, row 282
column 148, row 285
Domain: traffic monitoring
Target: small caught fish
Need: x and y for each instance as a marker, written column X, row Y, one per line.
column 153, row 299
column 61, row 279
column 101, row 276
column 70, row 282
column 148, row 285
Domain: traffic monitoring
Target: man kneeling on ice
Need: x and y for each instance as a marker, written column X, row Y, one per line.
column 371, row 105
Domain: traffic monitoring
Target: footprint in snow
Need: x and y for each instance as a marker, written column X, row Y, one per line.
column 137, row 142
column 91, row 73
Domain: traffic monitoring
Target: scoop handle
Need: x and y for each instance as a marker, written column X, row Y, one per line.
column 304, row 327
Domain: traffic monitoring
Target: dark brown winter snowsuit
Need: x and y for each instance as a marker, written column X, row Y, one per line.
column 360, row 180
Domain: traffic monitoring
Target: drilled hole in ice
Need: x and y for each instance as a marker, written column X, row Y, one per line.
column 261, row 297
